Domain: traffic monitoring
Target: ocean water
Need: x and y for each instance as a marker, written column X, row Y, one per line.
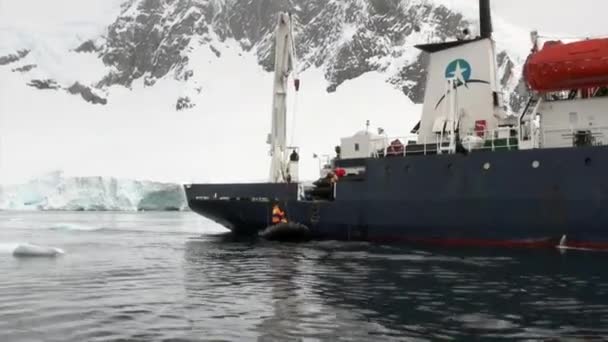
column 177, row 277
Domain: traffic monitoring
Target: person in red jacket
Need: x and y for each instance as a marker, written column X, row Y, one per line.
column 340, row 173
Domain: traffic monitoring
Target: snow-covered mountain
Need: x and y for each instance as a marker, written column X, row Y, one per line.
column 177, row 89
column 151, row 40
column 54, row 191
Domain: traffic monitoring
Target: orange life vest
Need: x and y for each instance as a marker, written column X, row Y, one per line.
column 278, row 215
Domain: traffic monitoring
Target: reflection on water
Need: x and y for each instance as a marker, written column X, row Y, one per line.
column 148, row 277
column 337, row 291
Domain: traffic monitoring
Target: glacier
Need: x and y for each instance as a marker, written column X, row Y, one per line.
column 55, row 191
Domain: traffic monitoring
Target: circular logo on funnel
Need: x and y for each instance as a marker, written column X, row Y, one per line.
column 459, row 70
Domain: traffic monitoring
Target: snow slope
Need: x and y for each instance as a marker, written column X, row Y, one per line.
column 63, row 24
column 140, row 135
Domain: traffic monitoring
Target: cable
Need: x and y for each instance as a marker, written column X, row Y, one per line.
column 296, row 78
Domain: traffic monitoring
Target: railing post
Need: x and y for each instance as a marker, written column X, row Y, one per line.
column 424, row 144
column 542, row 137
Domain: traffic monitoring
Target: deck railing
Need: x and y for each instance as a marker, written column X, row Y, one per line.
column 505, row 138
column 492, row 140
column 565, row 136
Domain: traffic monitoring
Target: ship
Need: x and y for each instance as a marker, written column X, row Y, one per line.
column 469, row 174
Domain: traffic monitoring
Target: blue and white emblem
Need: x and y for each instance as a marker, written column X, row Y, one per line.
column 459, row 70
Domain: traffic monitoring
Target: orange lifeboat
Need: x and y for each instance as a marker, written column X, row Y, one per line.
column 560, row 66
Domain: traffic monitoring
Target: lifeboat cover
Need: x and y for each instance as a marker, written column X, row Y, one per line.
column 560, row 66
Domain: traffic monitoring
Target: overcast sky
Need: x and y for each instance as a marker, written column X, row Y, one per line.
column 578, row 17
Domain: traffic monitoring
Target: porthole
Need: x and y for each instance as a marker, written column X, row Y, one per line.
column 487, row 166
column 588, row 161
column 407, row 168
column 535, row 164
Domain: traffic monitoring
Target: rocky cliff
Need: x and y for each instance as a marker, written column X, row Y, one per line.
column 153, row 39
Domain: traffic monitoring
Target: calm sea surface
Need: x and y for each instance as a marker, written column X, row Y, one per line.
column 175, row 276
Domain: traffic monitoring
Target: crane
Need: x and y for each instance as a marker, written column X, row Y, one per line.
column 281, row 170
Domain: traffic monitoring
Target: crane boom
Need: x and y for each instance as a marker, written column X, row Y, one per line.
column 284, row 65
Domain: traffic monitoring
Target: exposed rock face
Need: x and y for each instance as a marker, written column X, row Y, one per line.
column 152, row 39
column 519, row 97
column 44, row 84
column 184, row 103
column 25, row 68
column 87, row 47
column 12, row 58
column 86, row 93
column 346, row 38
column 411, row 78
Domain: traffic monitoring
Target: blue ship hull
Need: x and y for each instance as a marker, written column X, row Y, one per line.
column 505, row 198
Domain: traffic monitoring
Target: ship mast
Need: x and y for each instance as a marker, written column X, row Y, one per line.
column 284, row 65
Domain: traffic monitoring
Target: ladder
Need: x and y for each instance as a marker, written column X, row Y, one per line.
column 531, row 108
column 529, row 139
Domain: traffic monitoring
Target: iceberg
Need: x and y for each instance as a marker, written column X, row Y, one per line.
column 54, row 191
column 27, row 250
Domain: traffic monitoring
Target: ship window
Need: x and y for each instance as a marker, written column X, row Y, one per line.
column 588, row 161
column 450, row 166
column 407, row 168
column 536, row 164
column 357, row 147
column 487, row 166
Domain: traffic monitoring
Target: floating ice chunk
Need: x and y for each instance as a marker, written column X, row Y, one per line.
column 74, row 227
column 28, row 250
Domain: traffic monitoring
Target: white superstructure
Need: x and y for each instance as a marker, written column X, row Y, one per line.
column 467, row 74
